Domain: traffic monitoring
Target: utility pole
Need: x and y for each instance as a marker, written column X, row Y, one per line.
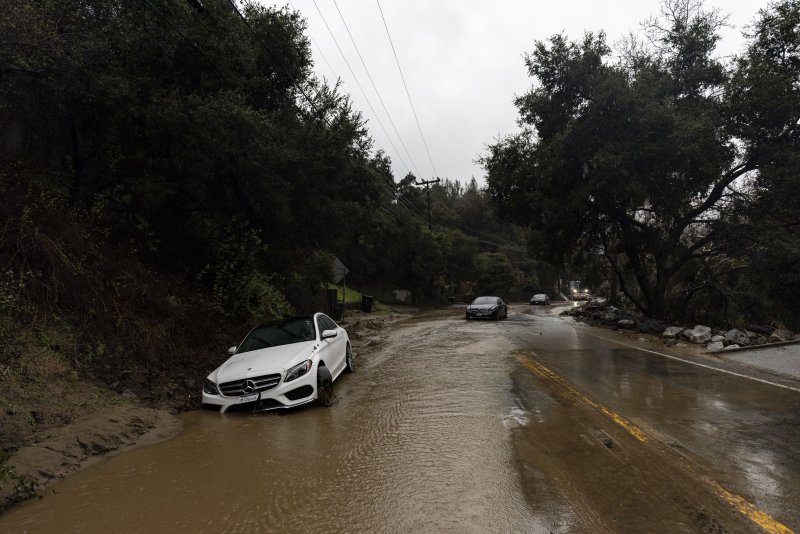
column 427, row 185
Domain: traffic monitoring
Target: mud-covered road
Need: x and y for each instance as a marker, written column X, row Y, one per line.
column 533, row 424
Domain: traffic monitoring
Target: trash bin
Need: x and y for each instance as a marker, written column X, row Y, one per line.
column 330, row 300
column 338, row 311
column 366, row 303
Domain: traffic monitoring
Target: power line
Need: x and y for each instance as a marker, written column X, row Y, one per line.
column 389, row 185
column 405, row 86
column 364, row 64
column 358, row 84
column 392, row 191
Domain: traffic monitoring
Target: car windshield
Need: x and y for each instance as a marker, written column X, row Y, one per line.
column 279, row 333
column 485, row 300
column 540, row 296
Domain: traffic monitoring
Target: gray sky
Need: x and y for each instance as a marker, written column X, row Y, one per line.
column 462, row 62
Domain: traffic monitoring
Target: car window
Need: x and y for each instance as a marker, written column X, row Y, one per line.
column 327, row 323
column 485, row 300
column 279, row 333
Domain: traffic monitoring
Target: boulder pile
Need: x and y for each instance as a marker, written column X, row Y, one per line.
column 603, row 314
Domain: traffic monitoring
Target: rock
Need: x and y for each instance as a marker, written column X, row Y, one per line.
column 719, row 338
column 737, row 336
column 626, row 323
column 669, row 342
column 651, row 326
column 700, row 337
column 643, row 339
column 698, row 334
column 680, row 344
column 714, row 346
column 672, row 332
column 732, row 347
column 780, row 335
column 609, row 317
column 128, row 394
column 760, row 340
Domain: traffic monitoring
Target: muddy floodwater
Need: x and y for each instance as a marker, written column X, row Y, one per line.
column 419, row 440
column 534, row 424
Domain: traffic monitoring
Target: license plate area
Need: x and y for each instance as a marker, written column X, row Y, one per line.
column 247, row 398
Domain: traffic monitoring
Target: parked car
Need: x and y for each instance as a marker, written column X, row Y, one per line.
column 282, row 364
column 487, row 308
column 540, row 298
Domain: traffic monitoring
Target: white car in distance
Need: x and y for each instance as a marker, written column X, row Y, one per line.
column 282, row 364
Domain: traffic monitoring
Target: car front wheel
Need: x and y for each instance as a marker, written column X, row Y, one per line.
column 324, row 387
column 348, row 358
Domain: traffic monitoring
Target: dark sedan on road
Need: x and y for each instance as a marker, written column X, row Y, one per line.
column 487, row 308
column 540, row 298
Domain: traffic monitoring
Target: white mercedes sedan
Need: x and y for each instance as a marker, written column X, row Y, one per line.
column 281, row 365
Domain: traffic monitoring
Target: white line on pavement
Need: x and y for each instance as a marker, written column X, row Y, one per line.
column 699, row 364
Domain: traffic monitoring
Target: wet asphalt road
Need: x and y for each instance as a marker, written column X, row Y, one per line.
column 533, row 424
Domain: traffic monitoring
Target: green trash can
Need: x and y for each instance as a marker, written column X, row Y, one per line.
column 366, row 303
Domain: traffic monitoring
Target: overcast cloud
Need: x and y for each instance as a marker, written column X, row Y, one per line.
column 463, row 63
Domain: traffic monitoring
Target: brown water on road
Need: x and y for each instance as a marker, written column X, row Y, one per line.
column 419, row 440
column 534, row 424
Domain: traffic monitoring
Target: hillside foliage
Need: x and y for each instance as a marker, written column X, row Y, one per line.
column 676, row 167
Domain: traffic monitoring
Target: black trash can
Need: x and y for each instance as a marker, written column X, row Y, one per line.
column 338, row 311
column 330, row 300
column 366, row 303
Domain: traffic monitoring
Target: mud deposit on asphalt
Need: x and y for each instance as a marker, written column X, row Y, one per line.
column 420, row 439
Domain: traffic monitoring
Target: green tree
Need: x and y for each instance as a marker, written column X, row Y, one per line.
column 764, row 232
column 637, row 159
column 495, row 274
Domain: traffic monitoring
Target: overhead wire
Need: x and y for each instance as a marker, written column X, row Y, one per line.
column 391, row 189
column 358, row 84
column 378, row 93
column 408, row 94
column 390, row 186
column 399, row 198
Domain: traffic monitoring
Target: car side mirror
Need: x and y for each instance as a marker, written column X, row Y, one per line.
column 232, row 350
column 329, row 333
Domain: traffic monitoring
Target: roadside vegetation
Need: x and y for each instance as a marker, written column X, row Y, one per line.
column 663, row 168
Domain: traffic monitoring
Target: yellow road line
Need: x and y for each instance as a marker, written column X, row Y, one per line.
column 750, row 511
column 542, row 371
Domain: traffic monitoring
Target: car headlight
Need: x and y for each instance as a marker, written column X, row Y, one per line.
column 298, row 370
column 210, row 387
column 493, row 308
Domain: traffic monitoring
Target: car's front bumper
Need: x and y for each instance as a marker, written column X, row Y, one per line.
column 285, row 395
column 481, row 314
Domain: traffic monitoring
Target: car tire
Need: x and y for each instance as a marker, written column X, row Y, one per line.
column 324, row 387
column 348, row 358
